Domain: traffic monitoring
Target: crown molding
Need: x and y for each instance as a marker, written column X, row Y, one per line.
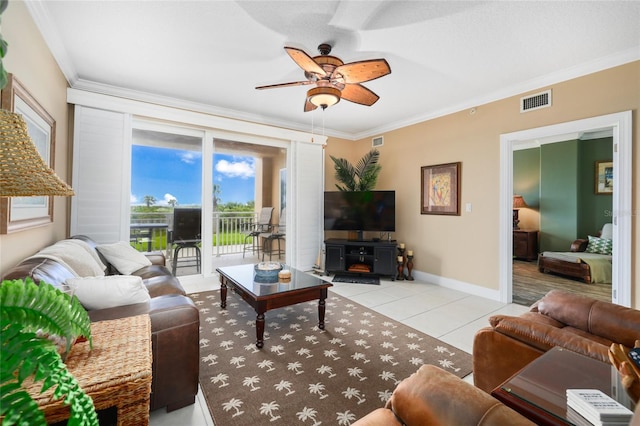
column 586, row 68
column 43, row 22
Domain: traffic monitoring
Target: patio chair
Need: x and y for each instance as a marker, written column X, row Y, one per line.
column 252, row 239
column 186, row 234
column 277, row 234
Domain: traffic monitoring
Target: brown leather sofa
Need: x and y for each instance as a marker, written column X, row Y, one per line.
column 174, row 323
column 432, row 396
column 572, row 321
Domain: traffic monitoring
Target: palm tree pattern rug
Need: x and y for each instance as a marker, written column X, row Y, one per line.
column 304, row 375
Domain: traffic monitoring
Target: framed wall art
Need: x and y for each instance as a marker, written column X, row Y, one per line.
column 440, row 189
column 604, row 177
column 20, row 213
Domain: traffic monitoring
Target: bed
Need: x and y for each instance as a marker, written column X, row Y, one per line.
column 587, row 259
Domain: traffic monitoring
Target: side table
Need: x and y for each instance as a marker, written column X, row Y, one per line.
column 117, row 372
column 538, row 391
column 525, row 244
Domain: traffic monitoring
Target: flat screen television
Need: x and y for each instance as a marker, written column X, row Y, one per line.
column 360, row 211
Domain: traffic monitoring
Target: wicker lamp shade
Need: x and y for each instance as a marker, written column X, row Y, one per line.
column 23, row 172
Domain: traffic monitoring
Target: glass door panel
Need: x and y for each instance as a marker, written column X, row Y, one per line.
column 166, row 178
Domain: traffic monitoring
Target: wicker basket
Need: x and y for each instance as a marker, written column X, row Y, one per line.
column 117, row 372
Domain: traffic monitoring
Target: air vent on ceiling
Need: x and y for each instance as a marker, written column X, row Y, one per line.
column 377, row 141
column 535, row 101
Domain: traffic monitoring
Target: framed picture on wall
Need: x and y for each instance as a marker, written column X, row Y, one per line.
column 440, row 189
column 604, row 177
column 19, row 213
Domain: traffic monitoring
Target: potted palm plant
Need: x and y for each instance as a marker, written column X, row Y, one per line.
column 361, row 177
column 32, row 319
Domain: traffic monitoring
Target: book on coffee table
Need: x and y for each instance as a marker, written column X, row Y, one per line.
column 578, row 420
column 597, row 407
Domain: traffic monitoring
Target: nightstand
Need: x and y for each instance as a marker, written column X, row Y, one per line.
column 525, row 244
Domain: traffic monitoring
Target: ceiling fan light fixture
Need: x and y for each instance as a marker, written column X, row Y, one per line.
column 323, row 96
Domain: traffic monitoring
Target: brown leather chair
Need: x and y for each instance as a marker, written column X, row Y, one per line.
column 432, row 396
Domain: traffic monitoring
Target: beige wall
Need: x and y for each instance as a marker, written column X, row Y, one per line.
column 31, row 62
column 465, row 247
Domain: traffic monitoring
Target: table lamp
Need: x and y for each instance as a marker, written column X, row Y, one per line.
column 518, row 203
column 23, row 173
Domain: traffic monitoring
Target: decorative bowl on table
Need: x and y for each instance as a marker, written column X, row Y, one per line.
column 267, row 272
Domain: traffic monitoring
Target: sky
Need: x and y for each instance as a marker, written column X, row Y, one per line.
column 171, row 173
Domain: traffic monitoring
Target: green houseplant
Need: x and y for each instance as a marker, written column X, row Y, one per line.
column 361, row 177
column 30, row 315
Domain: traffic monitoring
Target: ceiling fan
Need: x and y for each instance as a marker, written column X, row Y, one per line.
column 333, row 78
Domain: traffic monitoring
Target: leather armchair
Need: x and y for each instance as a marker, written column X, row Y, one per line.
column 572, row 321
column 432, row 396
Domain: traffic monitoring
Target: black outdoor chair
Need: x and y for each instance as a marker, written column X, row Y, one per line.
column 186, row 234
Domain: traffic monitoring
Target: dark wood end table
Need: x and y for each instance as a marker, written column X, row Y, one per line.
column 538, row 391
column 264, row 297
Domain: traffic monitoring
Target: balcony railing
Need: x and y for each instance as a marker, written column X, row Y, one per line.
column 150, row 231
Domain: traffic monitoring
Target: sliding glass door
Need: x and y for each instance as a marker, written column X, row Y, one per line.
column 166, row 194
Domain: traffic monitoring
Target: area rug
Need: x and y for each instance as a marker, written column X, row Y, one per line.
column 304, row 375
column 355, row 279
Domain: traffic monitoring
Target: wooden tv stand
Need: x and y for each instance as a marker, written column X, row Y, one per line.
column 361, row 257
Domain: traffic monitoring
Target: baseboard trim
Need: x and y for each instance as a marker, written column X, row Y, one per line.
column 473, row 289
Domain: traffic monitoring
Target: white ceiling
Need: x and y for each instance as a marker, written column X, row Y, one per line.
column 445, row 56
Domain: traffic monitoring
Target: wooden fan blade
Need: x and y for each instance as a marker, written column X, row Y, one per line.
column 293, row 83
column 359, row 94
column 308, row 106
column 305, row 61
column 359, row 72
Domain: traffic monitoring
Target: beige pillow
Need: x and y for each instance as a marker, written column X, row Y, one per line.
column 109, row 291
column 123, row 257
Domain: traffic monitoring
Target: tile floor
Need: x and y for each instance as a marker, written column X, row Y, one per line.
column 451, row 316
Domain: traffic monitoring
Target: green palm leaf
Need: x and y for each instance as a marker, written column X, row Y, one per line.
column 362, row 177
column 345, row 173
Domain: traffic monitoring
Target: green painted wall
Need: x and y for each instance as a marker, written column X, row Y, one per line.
column 558, row 195
column 558, row 180
column 526, row 176
column 595, row 210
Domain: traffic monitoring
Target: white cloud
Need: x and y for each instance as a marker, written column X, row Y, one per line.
column 243, row 169
column 189, row 157
column 133, row 199
column 166, row 199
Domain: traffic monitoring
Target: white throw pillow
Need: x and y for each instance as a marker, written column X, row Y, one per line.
column 109, row 291
column 123, row 257
column 77, row 255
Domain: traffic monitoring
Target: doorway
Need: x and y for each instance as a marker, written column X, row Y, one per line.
column 619, row 124
column 557, row 205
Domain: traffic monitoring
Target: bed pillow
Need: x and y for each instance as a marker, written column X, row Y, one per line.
column 599, row 245
column 109, row 291
column 123, row 257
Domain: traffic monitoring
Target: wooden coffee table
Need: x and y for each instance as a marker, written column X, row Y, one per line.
column 264, row 297
column 538, row 391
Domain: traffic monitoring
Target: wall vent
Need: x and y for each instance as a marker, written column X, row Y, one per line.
column 377, row 141
column 535, row 101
